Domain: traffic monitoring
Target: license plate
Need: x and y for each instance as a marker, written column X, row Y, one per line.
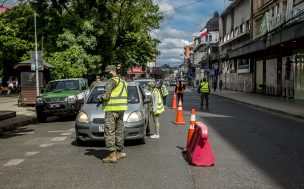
column 54, row 105
column 100, row 128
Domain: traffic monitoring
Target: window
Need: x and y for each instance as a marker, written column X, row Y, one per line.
column 206, row 38
column 236, row 31
column 247, row 25
column 210, row 38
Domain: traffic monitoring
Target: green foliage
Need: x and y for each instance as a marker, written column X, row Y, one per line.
column 16, row 38
column 70, row 63
column 81, row 37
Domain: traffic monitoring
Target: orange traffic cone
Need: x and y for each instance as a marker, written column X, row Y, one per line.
column 191, row 129
column 179, row 115
column 191, row 126
column 174, row 101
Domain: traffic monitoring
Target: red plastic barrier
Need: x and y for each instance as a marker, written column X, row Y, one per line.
column 199, row 150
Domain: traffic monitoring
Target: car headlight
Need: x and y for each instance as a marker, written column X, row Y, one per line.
column 82, row 118
column 72, row 99
column 39, row 100
column 134, row 116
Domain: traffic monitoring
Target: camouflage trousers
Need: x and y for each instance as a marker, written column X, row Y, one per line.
column 114, row 131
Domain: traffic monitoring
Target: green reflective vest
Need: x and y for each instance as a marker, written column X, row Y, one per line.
column 119, row 97
column 160, row 107
column 204, row 87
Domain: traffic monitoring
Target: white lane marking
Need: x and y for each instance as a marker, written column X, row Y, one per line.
column 24, row 133
column 13, row 162
column 30, row 153
column 66, row 134
column 72, row 129
column 46, row 145
column 58, row 138
column 59, row 131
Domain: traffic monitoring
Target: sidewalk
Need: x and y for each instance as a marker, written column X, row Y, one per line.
column 272, row 103
column 24, row 115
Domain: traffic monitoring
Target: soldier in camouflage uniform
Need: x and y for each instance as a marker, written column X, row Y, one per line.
column 114, row 103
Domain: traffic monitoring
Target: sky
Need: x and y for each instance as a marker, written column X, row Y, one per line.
column 180, row 24
column 182, row 20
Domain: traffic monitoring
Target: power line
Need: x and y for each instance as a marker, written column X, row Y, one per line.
column 182, row 6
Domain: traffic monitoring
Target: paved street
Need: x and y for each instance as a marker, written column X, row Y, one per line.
column 253, row 148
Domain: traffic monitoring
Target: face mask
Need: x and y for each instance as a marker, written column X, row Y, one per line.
column 108, row 75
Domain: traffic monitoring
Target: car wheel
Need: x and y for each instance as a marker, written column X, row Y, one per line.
column 41, row 117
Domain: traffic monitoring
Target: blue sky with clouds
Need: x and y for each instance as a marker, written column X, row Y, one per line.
column 179, row 25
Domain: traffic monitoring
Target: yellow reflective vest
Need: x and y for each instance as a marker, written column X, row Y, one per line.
column 119, row 97
column 156, row 98
column 164, row 90
column 204, row 87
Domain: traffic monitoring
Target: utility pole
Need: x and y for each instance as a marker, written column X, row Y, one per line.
column 36, row 58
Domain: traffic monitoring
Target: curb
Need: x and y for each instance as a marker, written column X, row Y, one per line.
column 262, row 107
column 7, row 115
column 17, row 123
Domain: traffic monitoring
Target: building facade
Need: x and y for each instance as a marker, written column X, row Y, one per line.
column 234, row 31
column 206, row 50
column 261, row 49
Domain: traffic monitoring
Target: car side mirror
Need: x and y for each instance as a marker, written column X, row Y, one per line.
column 147, row 101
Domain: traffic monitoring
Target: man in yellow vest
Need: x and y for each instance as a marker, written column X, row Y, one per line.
column 204, row 90
column 114, row 102
column 164, row 92
column 156, row 107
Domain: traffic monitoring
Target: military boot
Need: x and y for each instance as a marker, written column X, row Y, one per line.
column 110, row 159
column 120, row 155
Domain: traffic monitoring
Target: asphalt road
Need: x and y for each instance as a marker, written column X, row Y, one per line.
column 253, row 149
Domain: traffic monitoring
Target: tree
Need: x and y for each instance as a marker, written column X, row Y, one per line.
column 157, row 73
column 17, row 37
column 84, row 36
column 110, row 31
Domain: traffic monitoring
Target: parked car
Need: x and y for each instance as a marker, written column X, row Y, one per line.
column 89, row 125
column 62, row 97
column 143, row 83
column 172, row 83
column 167, row 83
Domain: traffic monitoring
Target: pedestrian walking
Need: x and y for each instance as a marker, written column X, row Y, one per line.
column 96, row 82
column 179, row 90
column 156, row 107
column 204, row 90
column 221, row 85
column 214, row 85
column 114, row 102
column 163, row 91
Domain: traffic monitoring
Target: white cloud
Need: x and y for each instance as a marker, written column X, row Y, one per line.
column 166, row 9
column 180, row 25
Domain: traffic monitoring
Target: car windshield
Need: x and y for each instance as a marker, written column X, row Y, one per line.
column 133, row 97
column 143, row 83
column 54, row 86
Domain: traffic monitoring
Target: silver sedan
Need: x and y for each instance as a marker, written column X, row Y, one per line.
column 90, row 121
